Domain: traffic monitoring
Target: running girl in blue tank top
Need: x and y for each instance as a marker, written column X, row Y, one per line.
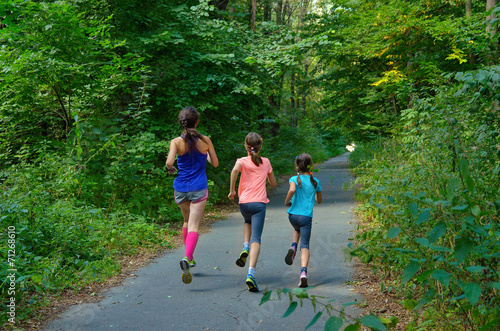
column 304, row 191
column 192, row 150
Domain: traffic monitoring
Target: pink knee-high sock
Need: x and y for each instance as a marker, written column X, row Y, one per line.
column 184, row 235
column 191, row 241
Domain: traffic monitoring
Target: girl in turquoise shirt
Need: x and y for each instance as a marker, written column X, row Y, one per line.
column 304, row 191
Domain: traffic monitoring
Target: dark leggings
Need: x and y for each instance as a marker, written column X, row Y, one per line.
column 254, row 213
column 302, row 224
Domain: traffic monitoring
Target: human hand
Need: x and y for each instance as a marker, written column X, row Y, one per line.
column 172, row 170
column 231, row 195
column 288, row 203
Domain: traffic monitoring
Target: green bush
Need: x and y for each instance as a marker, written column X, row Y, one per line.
column 432, row 196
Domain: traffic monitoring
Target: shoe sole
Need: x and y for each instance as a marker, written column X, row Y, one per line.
column 289, row 256
column 252, row 287
column 303, row 282
column 186, row 275
column 242, row 260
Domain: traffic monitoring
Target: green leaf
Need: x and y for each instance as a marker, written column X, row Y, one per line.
column 422, row 241
column 352, row 327
column 314, row 320
column 334, row 323
column 300, row 293
column 428, row 296
column 424, row 216
column 36, row 278
column 476, row 268
column 463, row 246
column 413, row 209
column 391, row 200
column 372, row 321
column 476, row 211
column 440, row 249
column 442, row 276
column 437, row 232
column 265, row 297
column 497, row 202
column 464, row 169
column 410, row 270
column 393, row 232
column 290, row 309
column 472, row 292
column 461, row 207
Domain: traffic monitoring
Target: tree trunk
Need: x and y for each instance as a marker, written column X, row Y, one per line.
column 468, row 13
column 303, row 10
column 267, row 10
column 254, row 15
column 293, row 113
column 279, row 13
column 468, row 8
column 286, row 12
column 304, row 88
column 490, row 4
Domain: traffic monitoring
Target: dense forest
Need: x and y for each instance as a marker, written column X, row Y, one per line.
column 89, row 97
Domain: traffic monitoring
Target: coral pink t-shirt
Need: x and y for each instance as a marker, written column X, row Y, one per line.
column 252, row 187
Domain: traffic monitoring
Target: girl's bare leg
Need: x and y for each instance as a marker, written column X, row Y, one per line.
column 185, row 207
column 296, row 236
column 254, row 254
column 247, row 232
column 304, row 257
column 196, row 211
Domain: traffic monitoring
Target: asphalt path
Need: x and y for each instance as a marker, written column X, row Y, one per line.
column 218, row 298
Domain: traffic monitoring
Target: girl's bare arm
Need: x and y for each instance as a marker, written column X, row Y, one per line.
column 212, row 157
column 234, row 176
column 319, row 197
column 272, row 179
column 289, row 195
column 171, row 157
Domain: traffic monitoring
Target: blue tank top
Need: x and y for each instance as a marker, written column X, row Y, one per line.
column 191, row 175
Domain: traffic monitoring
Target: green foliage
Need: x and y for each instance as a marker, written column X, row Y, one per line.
column 337, row 317
column 60, row 237
column 89, row 97
column 392, row 53
column 431, row 194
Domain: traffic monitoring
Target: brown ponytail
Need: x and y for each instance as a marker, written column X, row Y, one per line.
column 253, row 144
column 188, row 117
column 304, row 163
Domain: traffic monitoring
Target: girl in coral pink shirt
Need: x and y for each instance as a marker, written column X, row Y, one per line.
column 255, row 170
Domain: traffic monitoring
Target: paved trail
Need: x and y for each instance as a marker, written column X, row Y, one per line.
column 218, row 298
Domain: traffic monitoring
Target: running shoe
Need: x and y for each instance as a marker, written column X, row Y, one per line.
column 252, row 284
column 242, row 260
column 186, row 275
column 290, row 256
column 192, row 264
column 303, row 279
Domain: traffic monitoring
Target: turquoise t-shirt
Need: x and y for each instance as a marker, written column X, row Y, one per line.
column 303, row 199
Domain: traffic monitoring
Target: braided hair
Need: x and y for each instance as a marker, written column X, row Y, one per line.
column 304, row 163
column 253, row 144
column 188, row 117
